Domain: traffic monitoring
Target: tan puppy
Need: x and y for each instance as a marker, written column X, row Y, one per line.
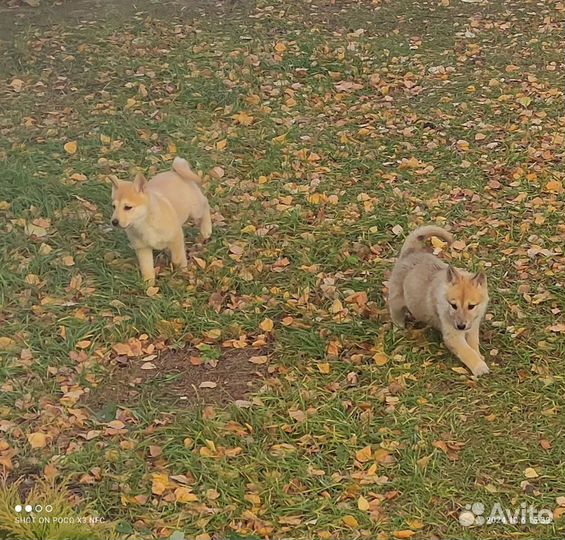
column 153, row 213
column 426, row 289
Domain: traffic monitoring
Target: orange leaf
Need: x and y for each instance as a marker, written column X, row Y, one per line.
column 266, row 325
column 364, row 455
column 71, row 147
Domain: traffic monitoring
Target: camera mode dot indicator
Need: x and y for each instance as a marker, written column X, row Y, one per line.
column 18, row 508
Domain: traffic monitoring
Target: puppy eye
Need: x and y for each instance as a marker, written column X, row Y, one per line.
column 472, row 306
column 453, row 305
column 113, row 205
column 127, row 207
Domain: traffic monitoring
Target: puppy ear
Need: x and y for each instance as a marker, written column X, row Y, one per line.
column 452, row 275
column 480, row 278
column 140, row 182
column 115, row 182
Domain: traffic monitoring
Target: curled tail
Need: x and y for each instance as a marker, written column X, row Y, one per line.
column 182, row 168
column 415, row 240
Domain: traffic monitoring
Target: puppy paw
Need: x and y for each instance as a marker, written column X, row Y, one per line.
column 480, row 368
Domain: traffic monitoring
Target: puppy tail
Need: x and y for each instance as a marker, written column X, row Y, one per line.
column 182, row 168
column 415, row 240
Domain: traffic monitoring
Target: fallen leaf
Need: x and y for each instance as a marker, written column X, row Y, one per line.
column 531, row 473
column 258, row 359
column 148, row 365
column 266, row 325
column 407, row 533
column 207, row 384
column 71, row 147
column 37, row 440
column 160, row 483
column 362, row 504
column 364, row 455
column 350, row 521
column 152, row 291
column 183, row 495
column 6, row 343
column 324, row 367
column 17, row 85
column 380, row 358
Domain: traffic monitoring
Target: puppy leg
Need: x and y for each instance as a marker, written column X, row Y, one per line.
column 145, row 258
column 457, row 344
column 178, row 251
column 398, row 310
column 473, row 339
column 206, row 224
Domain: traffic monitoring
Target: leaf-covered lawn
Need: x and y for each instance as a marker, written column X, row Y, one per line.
column 326, row 132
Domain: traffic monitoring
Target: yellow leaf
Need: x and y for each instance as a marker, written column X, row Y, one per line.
column 350, row 521
column 249, row 229
column 524, row 101
column 423, row 462
column 243, row 118
column 221, row 145
column 160, row 483
column 337, row 306
column 381, row 455
column 530, row 473
column 84, row 344
column 362, row 504
column 37, row 440
column 280, row 47
column 183, row 495
column 380, row 358
column 6, row 343
column 438, row 243
column 407, row 533
column 68, row 260
column 266, row 325
column 324, row 367
column 104, row 139
column 364, row 455
column 188, row 442
column 71, row 147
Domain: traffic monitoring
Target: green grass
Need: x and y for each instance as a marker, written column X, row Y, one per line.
column 333, row 189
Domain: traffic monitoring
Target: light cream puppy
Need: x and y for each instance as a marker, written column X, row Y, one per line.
column 153, row 213
column 425, row 289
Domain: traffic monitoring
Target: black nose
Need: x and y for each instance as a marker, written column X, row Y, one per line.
column 461, row 326
column 115, row 222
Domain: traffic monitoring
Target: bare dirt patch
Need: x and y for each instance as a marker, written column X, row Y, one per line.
column 176, row 381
